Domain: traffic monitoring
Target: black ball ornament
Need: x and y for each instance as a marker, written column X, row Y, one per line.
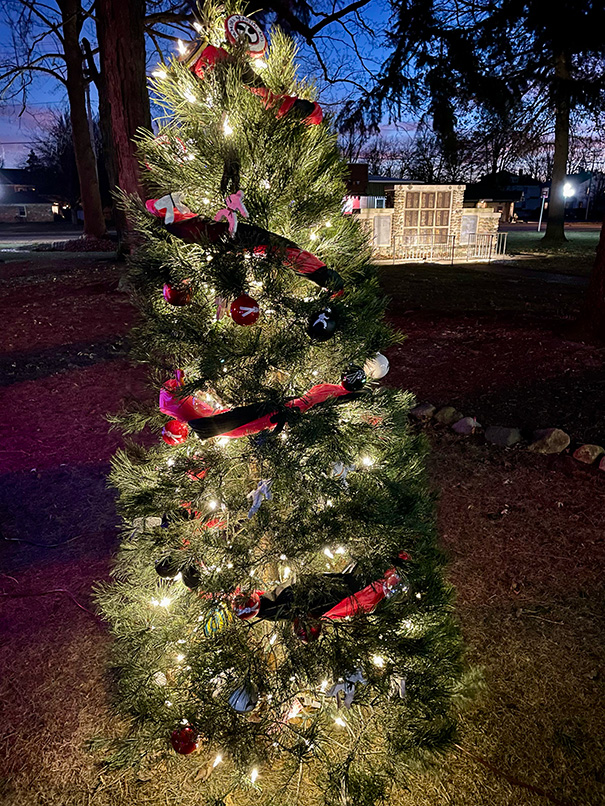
column 353, row 378
column 322, row 325
column 191, row 575
column 168, row 567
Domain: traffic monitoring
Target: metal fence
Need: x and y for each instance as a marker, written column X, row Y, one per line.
column 475, row 247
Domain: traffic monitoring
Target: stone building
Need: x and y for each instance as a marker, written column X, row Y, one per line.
column 430, row 222
column 24, row 205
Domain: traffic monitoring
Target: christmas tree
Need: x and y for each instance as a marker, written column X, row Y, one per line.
column 281, row 621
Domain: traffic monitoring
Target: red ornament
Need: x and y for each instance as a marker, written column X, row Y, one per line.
column 308, row 630
column 184, row 740
column 246, row 605
column 175, row 432
column 244, row 310
column 196, row 475
column 209, row 56
column 177, row 295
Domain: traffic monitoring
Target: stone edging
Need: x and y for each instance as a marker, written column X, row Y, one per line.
column 546, row 440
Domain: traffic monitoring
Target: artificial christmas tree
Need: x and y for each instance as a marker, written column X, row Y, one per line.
column 278, row 606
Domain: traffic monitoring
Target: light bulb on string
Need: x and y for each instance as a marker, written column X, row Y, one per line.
column 198, row 27
column 254, row 774
column 340, row 722
column 159, row 74
column 227, row 128
column 217, row 760
column 181, row 47
column 189, row 96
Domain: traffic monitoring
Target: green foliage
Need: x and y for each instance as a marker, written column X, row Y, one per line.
column 169, row 670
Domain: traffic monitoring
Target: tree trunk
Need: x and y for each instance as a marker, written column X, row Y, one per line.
column 94, row 221
column 555, row 227
column 121, row 33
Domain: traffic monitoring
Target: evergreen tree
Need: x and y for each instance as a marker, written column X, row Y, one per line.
column 279, row 610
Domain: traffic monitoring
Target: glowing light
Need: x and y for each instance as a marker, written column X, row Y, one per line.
column 261, row 64
column 340, row 722
column 265, row 183
column 189, row 96
column 329, row 553
column 227, row 130
column 324, row 685
column 419, row 596
column 367, row 461
column 273, row 638
column 287, row 571
column 212, row 504
column 378, row 660
column 182, row 47
column 329, row 503
column 283, row 436
column 206, row 201
column 282, row 557
column 328, row 224
column 217, row 760
column 223, row 441
column 313, row 236
column 165, row 602
column 568, row 190
column 341, row 550
column 229, row 565
column 254, row 774
column 168, row 703
column 180, row 658
column 159, row 74
column 154, row 603
column 170, row 462
column 199, row 28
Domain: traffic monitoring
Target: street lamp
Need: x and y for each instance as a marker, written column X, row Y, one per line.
column 568, row 190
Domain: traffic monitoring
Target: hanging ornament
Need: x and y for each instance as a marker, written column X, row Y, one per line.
column 377, row 367
column 169, row 208
column 397, row 686
column 233, row 204
column 244, row 699
column 246, row 605
column 262, row 492
column 304, row 707
column 353, row 379
column 177, row 294
column 222, row 307
column 216, row 620
column 168, row 567
column 191, row 575
column 340, row 471
column 173, row 404
column 238, row 27
column 184, row 740
column 244, row 310
column 344, row 690
column 307, row 629
column 175, row 432
column 321, row 325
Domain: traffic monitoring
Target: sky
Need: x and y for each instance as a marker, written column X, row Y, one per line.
column 20, row 127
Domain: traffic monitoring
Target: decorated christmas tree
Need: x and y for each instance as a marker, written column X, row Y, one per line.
column 281, row 621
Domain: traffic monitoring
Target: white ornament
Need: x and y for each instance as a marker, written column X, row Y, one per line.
column 340, row 471
column 263, row 491
column 377, row 367
column 159, row 679
column 344, row 690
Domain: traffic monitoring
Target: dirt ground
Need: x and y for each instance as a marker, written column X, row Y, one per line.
column 524, row 533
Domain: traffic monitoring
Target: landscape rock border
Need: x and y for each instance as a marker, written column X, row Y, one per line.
column 545, row 440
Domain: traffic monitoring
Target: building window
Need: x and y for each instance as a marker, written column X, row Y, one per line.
column 22, row 212
column 426, row 218
column 382, row 230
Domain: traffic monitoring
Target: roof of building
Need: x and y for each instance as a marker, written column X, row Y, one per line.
column 20, row 197
column 16, row 176
column 390, row 180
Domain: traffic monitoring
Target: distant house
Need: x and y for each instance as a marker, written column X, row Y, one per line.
column 19, row 199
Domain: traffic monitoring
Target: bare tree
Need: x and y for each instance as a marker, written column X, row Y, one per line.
column 46, row 41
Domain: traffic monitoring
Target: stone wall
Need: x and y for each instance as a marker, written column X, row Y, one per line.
column 9, row 213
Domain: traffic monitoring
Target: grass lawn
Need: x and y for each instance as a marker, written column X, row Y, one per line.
column 524, row 533
column 576, row 256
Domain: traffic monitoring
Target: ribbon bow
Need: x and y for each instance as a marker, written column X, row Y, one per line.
column 234, row 204
column 172, row 206
column 263, row 491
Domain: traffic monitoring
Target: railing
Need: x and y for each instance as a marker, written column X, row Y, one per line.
column 428, row 248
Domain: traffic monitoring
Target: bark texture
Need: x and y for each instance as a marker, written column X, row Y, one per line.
column 121, row 32
column 555, row 227
column 90, row 196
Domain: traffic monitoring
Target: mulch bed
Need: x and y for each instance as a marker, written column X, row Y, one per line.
column 524, row 534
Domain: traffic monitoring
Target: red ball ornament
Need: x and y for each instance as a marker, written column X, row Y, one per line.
column 184, row 740
column 175, row 432
column 308, row 630
column 244, row 310
column 246, row 605
column 177, row 295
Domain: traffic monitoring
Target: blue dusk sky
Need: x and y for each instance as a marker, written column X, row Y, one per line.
column 20, row 125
